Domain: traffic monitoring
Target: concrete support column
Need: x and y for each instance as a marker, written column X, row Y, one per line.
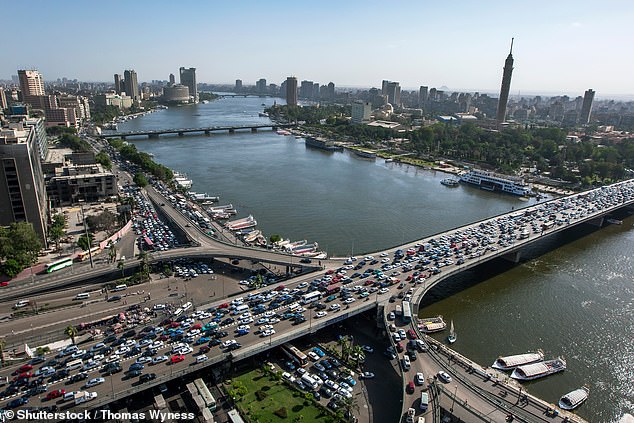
column 231, row 131
column 207, row 133
column 513, row 256
column 180, row 134
column 254, row 129
column 597, row 221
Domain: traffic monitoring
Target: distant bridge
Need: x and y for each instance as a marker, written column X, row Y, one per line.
column 206, row 130
column 246, row 95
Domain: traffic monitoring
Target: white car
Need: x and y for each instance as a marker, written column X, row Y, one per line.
column 384, row 291
column 335, row 307
column 268, row 332
column 156, row 345
column 313, row 355
column 321, row 314
column 143, row 360
column 78, row 353
column 287, row 376
column 228, row 342
column 159, row 359
column 113, row 358
column 94, row 382
column 158, row 307
column 201, row 358
column 302, row 285
column 349, row 300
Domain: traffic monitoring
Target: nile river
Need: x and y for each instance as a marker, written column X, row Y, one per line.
column 576, row 300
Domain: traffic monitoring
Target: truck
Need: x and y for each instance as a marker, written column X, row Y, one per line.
column 84, row 396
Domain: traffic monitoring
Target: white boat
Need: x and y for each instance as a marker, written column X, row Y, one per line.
column 574, row 399
column 449, row 182
column 452, row 334
column 512, row 361
column 432, row 324
column 537, row 370
column 614, row 221
column 490, row 181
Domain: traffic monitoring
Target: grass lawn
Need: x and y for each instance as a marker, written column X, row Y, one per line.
column 277, row 395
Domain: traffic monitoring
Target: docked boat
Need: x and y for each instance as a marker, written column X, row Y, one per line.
column 512, row 361
column 490, row 181
column 263, row 114
column 537, row 370
column 244, row 223
column 220, row 208
column 322, row 144
column 432, row 324
column 614, row 221
column 574, row 399
column 251, row 237
column 282, row 132
column 365, row 154
column 450, row 182
column 452, row 335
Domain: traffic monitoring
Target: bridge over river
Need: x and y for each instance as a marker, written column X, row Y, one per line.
column 155, row 133
column 436, row 257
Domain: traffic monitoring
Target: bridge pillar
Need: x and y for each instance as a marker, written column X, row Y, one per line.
column 123, row 137
column 254, row 129
column 273, row 128
column 597, row 221
column 207, row 132
column 180, row 134
column 231, row 131
column 513, row 256
column 153, row 136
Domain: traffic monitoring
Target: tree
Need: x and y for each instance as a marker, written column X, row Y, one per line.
column 104, row 159
column 84, row 242
column 71, row 332
column 112, row 253
column 351, row 405
column 140, row 179
column 145, row 265
column 101, row 222
column 11, row 268
column 344, row 342
column 120, row 266
column 2, row 345
column 275, row 238
column 20, row 243
column 55, row 234
column 358, row 354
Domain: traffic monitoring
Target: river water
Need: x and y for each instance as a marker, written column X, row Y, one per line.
column 576, row 300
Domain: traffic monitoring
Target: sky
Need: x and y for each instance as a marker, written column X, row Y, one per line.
column 561, row 46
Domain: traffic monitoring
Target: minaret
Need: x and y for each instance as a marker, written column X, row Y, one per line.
column 506, row 86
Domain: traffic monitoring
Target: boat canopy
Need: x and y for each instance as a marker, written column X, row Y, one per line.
column 517, row 360
column 431, row 327
column 575, row 397
column 533, row 369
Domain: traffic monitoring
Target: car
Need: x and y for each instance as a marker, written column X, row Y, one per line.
column 77, row 378
column 313, row 355
column 419, row 379
column 112, row 369
column 177, row 358
column 349, row 300
column 147, row 377
column 366, row 375
column 144, row 359
column 201, row 358
column 94, row 382
column 367, row 349
column 17, row 402
column 320, row 314
column 444, row 377
column 159, row 359
column 319, row 367
column 287, row 376
column 55, row 394
column 410, row 387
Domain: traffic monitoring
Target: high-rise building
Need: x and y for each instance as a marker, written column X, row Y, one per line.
column 394, row 94
column 238, row 86
column 118, row 83
column 384, row 86
column 423, row 93
column 331, row 91
column 22, row 190
column 361, row 111
column 31, row 85
column 306, row 89
column 260, row 85
column 131, row 84
column 172, row 79
column 291, row 91
column 586, row 108
column 506, row 86
column 188, row 79
column 3, row 100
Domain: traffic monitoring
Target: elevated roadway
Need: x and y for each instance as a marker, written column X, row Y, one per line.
column 202, row 130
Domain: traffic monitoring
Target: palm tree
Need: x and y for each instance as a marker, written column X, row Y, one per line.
column 112, row 253
column 345, row 347
column 2, row 345
column 358, row 354
column 145, row 266
column 351, row 405
column 71, row 332
column 120, row 266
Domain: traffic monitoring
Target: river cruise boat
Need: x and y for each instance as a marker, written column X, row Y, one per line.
column 432, row 324
column 490, row 181
column 449, row 182
column 537, row 370
column 365, row 154
column 574, row 399
column 512, row 361
column 322, row 144
column 244, row 223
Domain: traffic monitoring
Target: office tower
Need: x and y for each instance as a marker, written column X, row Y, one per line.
column 188, row 79
column 131, row 84
column 394, row 94
column 260, row 85
column 306, row 89
column 118, row 83
column 384, row 86
column 22, row 190
column 3, row 100
column 423, row 93
column 238, row 86
column 331, row 91
column 291, row 91
column 172, row 79
column 31, row 85
column 506, row 86
column 361, row 111
column 586, row 108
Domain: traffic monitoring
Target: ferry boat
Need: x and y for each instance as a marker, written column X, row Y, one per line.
column 246, row 222
column 574, row 399
column 450, row 182
column 512, row 361
column 537, row 370
column 253, row 235
column 263, row 114
column 365, row 154
column 182, row 180
column 493, row 182
column 322, row 144
column 220, row 208
column 432, row 324
column 282, row 132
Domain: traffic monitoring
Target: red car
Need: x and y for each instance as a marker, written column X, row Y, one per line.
column 4, row 283
column 204, row 349
column 411, row 334
column 197, row 326
column 399, row 347
column 224, row 305
column 330, row 272
column 410, row 388
column 55, row 394
column 177, row 358
column 24, row 368
column 175, row 324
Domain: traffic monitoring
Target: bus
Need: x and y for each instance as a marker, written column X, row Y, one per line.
column 59, row 264
column 399, row 310
column 310, row 297
column 294, row 354
column 209, row 399
column 407, row 312
column 83, row 255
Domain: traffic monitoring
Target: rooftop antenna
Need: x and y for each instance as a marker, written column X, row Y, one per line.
column 511, row 52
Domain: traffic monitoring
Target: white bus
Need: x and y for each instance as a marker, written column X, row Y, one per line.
column 311, row 297
column 205, row 394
